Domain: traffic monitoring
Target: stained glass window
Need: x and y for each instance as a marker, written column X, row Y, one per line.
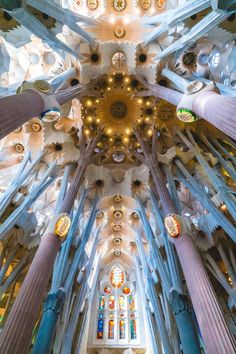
column 112, row 303
column 122, row 329
column 133, row 328
column 117, row 309
column 102, row 302
column 122, row 303
column 131, row 303
column 117, row 277
column 111, row 325
column 100, row 328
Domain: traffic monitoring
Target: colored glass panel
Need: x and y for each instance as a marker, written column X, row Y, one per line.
column 102, row 302
column 100, row 328
column 111, row 325
column 112, row 303
column 133, row 330
column 122, row 306
column 131, row 303
column 122, row 329
column 117, row 277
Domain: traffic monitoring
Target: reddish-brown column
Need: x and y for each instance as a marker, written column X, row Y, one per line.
column 214, row 329
column 215, row 332
column 15, row 110
column 218, row 110
column 17, row 332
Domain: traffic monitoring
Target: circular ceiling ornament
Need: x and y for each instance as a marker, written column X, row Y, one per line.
column 145, row 4
column 117, row 240
column 119, row 5
column 161, row 4
column 118, row 60
column 117, row 228
column 36, row 127
column 186, row 115
column 62, row 225
column 173, row 224
column 118, row 214
column 19, row 148
column 117, row 252
column 119, row 32
column 118, row 109
column 117, row 198
column 92, row 4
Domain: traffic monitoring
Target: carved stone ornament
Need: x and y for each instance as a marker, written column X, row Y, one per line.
column 92, row 4
column 146, row 4
column 118, row 214
column 173, row 224
column 117, row 198
column 119, row 32
column 119, row 5
column 117, row 227
column 62, row 225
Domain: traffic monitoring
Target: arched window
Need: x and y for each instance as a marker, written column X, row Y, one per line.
column 100, row 328
column 117, row 309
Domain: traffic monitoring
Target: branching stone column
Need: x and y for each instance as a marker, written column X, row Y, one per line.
column 214, row 329
column 199, row 101
column 34, row 100
column 17, row 332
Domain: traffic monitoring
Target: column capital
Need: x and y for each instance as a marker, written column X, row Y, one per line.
column 51, row 110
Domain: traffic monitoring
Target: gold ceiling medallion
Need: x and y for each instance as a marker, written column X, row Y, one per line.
column 118, row 214
column 36, row 127
column 62, row 225
column 119, row 5
column 19, row 148
column 161, row 4
column 117, row 240
column 173, row 224
column 119, row 31
column 146, row 4
column 92, row 4
column 118, row 60
column 117, row 252
column 117, row 198
column 117, row 227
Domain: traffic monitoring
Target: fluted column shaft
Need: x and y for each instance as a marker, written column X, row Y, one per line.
column 15, row 110
column 214, row 329
column 16, row 335
column 17, row 331
column 217, row 110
